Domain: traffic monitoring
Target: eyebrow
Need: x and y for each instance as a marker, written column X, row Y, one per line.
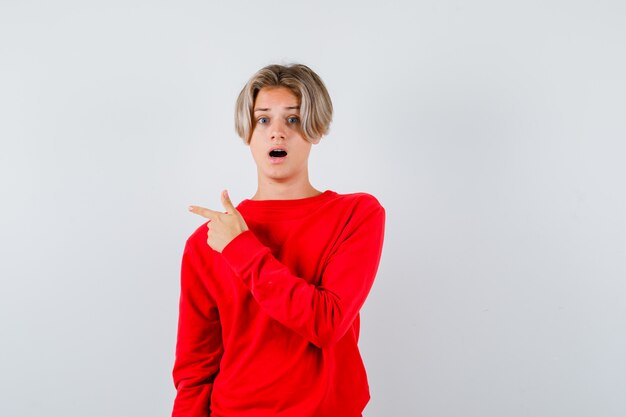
column 286, row 108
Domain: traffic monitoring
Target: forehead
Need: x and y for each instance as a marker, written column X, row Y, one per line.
column 275, row 97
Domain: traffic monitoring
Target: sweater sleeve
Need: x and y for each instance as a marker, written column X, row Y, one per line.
column 199, row 344
column 320, row 313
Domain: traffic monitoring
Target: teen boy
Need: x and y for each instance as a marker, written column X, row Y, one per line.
column 271, row 289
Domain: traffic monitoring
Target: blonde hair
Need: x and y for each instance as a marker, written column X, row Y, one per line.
column 316, row 108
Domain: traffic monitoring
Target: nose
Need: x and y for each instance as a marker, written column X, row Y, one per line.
column 278, row 131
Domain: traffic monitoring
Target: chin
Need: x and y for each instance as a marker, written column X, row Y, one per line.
column 278, row 177
column 275, row 174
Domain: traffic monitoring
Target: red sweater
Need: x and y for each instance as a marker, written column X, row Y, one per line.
column 270, row 326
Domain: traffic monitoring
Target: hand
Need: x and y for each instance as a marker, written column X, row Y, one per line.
column 223, row 227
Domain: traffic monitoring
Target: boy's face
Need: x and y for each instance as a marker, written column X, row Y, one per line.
column 280, row 151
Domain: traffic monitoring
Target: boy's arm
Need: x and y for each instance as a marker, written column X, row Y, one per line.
column 199, row 344
column 323, row 313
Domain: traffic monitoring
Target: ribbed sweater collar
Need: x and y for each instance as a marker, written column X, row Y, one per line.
column 286, row 208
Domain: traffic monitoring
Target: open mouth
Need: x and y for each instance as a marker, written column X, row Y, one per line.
column 278, row 153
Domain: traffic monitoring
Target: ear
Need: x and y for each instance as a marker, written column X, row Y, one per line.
column 315, row 141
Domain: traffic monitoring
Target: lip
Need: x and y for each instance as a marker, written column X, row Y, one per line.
column 274, row 159
column 274, row 148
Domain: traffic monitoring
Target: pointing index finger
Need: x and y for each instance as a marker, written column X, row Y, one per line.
column 204, row 212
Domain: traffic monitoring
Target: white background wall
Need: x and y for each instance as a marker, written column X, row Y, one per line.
column 492, row 131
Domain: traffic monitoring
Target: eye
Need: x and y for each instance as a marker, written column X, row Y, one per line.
column 293, row 120
column 262, row 120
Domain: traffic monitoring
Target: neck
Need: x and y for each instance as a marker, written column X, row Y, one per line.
column 269, row 189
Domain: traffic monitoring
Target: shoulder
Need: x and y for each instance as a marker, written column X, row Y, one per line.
column 362, row 217
column 196, row 242
column 357, row 209
column 361, row 202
